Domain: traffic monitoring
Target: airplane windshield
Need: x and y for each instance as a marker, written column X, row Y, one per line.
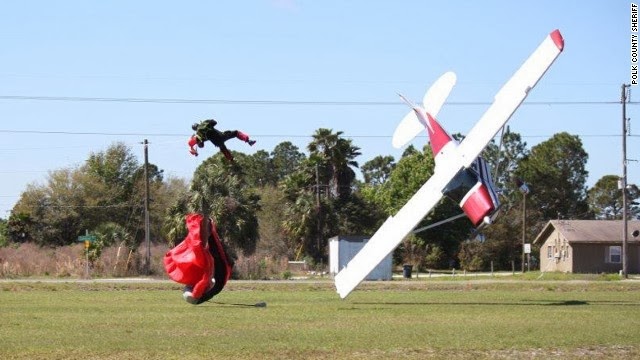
column 461, row 184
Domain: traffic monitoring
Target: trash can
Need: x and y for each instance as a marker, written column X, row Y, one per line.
column 406, row 271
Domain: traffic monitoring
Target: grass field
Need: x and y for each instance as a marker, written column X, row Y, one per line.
column 307, row 320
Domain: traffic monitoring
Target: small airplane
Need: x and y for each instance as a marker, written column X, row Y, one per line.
column 460, row 173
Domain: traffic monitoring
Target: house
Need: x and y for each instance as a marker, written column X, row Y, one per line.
column 588, row 246
column 343, row 248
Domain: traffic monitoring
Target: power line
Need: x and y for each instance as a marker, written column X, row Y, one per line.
column 277, row 102
column 92, row 206
column 255, row 135
column 82, row 133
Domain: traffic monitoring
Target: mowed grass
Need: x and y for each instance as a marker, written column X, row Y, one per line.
column 306, row 320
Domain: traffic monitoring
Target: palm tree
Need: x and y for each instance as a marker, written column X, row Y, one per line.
column 337, row 156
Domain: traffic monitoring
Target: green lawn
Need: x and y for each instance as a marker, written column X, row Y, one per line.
column 380, row 320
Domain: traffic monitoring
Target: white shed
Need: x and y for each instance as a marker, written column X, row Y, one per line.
column 343, row 248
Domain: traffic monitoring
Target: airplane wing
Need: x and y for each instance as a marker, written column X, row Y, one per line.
column 510, row 96
column 433, row 100
column 395, row 228
column 391, row 233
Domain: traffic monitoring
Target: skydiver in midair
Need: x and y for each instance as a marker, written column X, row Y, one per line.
column 206, row 130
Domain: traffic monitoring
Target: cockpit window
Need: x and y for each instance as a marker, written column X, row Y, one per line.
column 461, row 184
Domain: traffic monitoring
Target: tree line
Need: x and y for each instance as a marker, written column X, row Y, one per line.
column 285, row 203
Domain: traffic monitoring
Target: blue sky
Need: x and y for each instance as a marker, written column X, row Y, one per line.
column 330, row 64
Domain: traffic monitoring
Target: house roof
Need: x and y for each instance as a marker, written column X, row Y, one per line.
column 590, row 231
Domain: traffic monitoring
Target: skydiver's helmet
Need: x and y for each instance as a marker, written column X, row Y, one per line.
column 187, row 295
column 194, row 127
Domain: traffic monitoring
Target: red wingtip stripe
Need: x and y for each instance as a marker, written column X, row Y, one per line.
column 557, row 39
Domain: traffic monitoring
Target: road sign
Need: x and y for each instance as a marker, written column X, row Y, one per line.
column 87, row 238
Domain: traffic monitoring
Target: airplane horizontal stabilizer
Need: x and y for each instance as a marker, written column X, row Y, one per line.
column 435, row 97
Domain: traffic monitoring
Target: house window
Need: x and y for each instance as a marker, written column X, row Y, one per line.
column 549, row 252
column 615, row 254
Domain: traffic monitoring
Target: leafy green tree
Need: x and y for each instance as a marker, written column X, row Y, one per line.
column 258, row 168
column 355, row 215
column 409, row 174
column 414, row 251
column 116, row 168
column 503, row 239
column 273, row 240
column 378, row 170
column 3, row 233
column 286, row 158
column 19, row 227
column 472, row 255
column 107, row 188
column 504, row 158
column 435, row 257
column 410, row 150
column 50, row 214
column 605, row 198
column 556, row 174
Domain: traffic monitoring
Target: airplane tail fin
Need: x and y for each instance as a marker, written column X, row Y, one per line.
column 438, row 137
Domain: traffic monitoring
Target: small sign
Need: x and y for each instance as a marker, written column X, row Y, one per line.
column 527, row 248
column 87, row 238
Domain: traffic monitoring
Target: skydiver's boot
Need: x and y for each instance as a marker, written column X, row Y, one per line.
column 193, row 141
column 244, row 137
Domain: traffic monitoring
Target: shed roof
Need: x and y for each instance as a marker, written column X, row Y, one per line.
column 350, row 238
column 590, row 231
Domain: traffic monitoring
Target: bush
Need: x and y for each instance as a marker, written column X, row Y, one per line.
column 259, row 268
column 28, row 259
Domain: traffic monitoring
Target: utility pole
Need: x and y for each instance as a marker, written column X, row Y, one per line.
column 318, row 210
column 317, row 187
column 147, row 237
column 524, row 189
column 524, row 224
column 623, row 184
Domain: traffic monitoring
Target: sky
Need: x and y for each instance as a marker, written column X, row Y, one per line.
column 79, row 76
